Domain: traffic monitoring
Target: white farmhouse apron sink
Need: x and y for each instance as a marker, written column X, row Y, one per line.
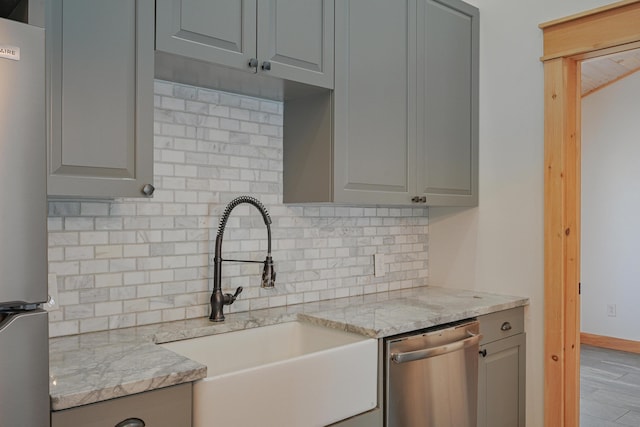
column 290, row 374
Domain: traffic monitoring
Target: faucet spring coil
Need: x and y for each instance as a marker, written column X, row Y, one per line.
column 237, row 201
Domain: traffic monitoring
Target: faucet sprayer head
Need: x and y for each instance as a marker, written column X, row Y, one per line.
column 268, row 273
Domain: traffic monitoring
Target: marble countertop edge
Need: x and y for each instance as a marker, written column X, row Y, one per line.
column 85, row 375
column 86, row 397
column 321, row 319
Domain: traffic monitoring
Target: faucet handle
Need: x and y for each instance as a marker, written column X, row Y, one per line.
column 230, row 299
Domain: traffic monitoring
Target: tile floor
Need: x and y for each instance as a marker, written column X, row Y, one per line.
column 609, row 388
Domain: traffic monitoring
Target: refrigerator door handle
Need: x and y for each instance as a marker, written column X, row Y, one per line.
column 6, row 317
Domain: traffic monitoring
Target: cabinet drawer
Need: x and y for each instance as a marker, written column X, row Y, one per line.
column 166, row 407
column 501, row 324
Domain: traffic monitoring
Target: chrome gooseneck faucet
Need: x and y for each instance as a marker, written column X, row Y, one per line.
column 218, row 299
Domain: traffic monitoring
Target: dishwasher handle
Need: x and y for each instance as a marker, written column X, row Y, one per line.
column 425, row 353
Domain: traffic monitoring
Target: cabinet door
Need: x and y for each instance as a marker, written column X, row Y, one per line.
column 447, row 168
column 221, row 31
column 295, row 39
column 374, row 101
column 501, row 383
column 100, row 97
column 165, row 407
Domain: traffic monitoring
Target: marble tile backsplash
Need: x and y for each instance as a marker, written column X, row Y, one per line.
column 130, row 262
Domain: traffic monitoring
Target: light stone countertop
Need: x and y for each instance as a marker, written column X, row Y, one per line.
column 97, row 366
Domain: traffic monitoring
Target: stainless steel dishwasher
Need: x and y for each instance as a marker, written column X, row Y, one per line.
column 432, row 377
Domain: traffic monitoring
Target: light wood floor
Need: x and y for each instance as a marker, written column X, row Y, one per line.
column 609, row 388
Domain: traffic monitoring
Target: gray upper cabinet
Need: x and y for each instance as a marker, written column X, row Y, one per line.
column 211, row 31
column 447, row 173
column 401, row 126
column 295, row 40
column 374, row 101
column 287, row 39
column 353, row 145
column 357, row 144
column 100, row 97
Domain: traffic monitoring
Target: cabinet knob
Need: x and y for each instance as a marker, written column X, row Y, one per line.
column 483, row 352
column 266, row 65
column 415, row 199
column 131, row 422
column 253, row 63
column 506, row 326
column 422, row 199
column 148, row 189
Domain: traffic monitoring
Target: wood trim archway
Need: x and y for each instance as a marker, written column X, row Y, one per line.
column 567, row 41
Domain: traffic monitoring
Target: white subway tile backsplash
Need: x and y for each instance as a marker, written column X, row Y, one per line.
column 94, row 209
column 149, row 317
column 68, row 298
column 94, row 324
column 173, row 314
column 108, row 280
column 64, row 327
column 135, row 262
column 122, row 321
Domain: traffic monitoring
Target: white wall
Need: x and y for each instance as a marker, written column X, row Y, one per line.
column 610, row 205
column 498, row 247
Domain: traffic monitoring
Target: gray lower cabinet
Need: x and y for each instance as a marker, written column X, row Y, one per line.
column 100, row 97
column 287, row 39
column 501, row 369
column 400, row 127
column 166, row 407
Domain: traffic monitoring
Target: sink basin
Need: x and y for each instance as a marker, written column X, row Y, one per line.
column 290, row 374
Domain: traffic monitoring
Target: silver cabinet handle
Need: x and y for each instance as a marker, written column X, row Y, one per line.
column 131, row 422
column 506, row 326
column 266, row 65
column 253, row 63
column 425, row 353
column 148, row 189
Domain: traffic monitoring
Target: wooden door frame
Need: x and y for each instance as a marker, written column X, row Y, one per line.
column 567, row 41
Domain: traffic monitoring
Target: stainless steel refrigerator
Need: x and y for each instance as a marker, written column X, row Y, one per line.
column 24, row 355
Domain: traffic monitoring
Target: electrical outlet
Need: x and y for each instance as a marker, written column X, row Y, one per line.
column 378, row 265
column 52, row 302
column 611, row 310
